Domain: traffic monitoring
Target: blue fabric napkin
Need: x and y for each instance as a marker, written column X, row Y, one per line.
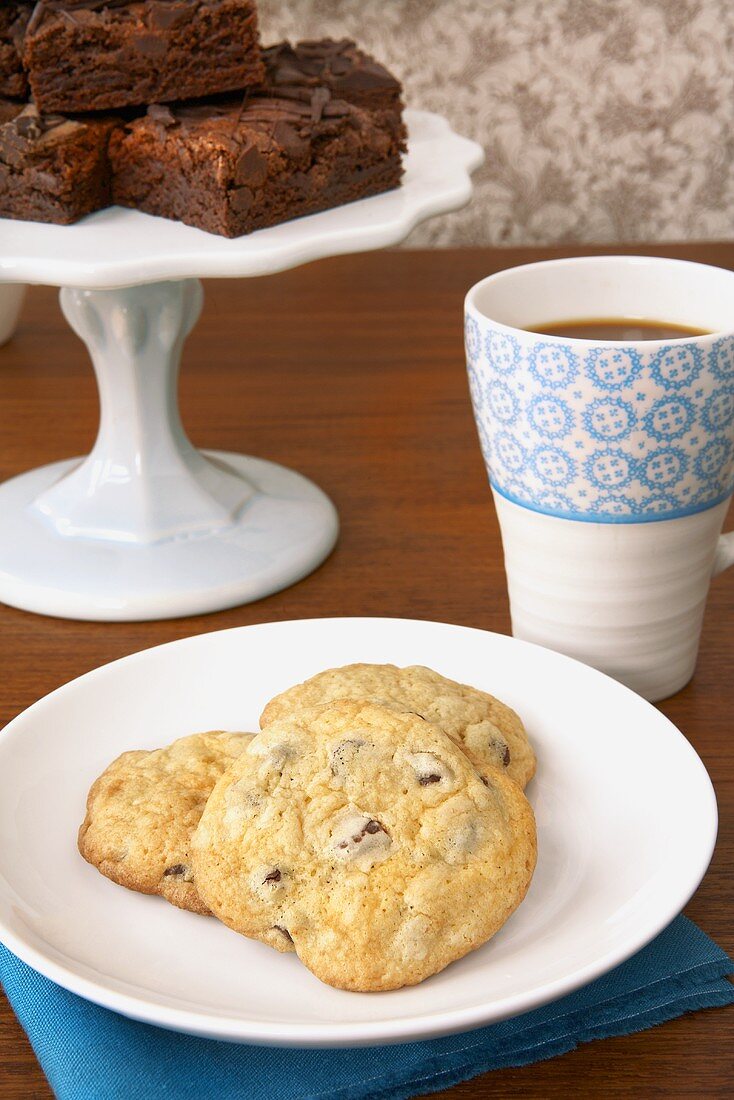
column 89, row 1053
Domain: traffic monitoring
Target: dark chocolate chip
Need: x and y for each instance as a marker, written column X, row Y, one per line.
column 319, row 99
column 425, row 780
column 241, row 199
column 502, row 749
column 251, row 168
column 340, row 65
column 288, row 138
column 177, row 869
column 164, row 14
column 370, row 827
column 273, row 876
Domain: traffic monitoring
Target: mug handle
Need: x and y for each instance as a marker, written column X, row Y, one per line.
column 724, row 554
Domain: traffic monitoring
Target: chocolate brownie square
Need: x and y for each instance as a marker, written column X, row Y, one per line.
column 234, row 165
column 88, row 55
column 341, row 66
column 14, row 16
column 52, row 168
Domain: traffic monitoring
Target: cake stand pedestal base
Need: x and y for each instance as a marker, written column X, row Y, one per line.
column 148, row 527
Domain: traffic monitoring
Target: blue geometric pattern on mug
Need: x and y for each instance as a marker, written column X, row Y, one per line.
column 718, row 409
column 721, row 359
column 677, row 365
column 485, row 442
column 663, row 468
column 553, row 466
column 503, row 351
column 472, row 339
column 609, row 468
column 609, row 418
column 670, row 418
column 715, row 457
column 657, row 504
column 511, row 454
column 476, row 385
column 612, row 368
column 613, row 504
column 502, row 402
column 604, row 432
column 554, row 365
column 552, row 417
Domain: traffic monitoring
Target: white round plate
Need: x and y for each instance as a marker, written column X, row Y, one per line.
column 626, row 824
column 117, row 247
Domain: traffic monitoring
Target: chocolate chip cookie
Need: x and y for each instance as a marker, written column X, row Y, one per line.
column 365, row 839
column 144, row 807
column 490, row 731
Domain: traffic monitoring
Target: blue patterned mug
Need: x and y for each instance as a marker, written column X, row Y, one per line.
column 584, row 439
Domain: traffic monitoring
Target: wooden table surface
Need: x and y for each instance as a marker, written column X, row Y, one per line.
column 351, row 370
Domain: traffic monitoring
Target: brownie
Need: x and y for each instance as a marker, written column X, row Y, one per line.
column 234, row 165
column 346, row 71
column 14, row 16
column 87, row 55
column 52, row 168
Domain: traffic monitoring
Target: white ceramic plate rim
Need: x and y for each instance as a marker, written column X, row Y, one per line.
column 364, row 1033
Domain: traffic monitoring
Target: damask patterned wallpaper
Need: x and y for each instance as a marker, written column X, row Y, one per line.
column 603, row 120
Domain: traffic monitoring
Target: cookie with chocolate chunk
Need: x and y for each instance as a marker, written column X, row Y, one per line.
column 365, row 840
column 490, row 731
column 143, row 809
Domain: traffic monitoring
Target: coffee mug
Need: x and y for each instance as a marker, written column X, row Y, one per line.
column 611, row 462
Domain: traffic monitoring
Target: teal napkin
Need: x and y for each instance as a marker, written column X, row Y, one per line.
column 89, row 1053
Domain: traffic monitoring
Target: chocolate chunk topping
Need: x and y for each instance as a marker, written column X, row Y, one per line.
column 162, row 114
column 177, row 869
column 67, row 8
column 339, row 64
column 319, row 99
column 373, row 827
column 273, row 876
column 289, row 139
column 251, row 168
column 242, row 199
column 164, row 14
column 426, row 780
column 30, row 133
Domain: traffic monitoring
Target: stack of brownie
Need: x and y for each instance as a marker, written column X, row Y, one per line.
column 173, row 108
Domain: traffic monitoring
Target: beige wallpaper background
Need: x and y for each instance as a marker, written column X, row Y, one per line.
column 603, row 120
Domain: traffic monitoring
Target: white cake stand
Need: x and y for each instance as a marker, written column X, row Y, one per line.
column 146, row 526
